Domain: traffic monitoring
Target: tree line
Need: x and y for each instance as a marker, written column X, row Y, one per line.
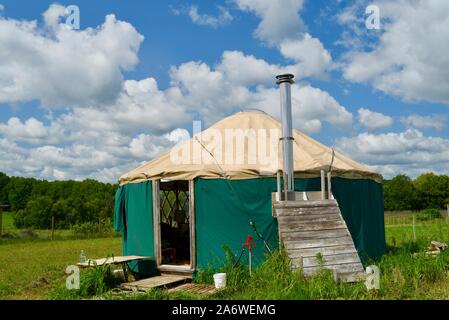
column 34, row 202
column 426, row 191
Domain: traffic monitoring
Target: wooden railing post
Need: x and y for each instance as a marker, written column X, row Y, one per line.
column 285, row 187
column 323, row 186
column 329, row 185
column 278, row 177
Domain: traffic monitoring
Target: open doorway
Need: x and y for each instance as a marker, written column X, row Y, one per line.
column 175, row 244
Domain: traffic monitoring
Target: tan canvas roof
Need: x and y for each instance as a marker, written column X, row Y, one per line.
column 200, row 156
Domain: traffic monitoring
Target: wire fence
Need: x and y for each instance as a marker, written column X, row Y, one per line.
column 412, row 226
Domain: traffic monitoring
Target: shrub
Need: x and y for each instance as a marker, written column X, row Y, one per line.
column 89, row 229
column 93, row 282
column 429, row 214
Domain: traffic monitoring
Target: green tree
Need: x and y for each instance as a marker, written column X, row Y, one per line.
column 400, row 194
column 19, row 192
column 35, row 202
column 433, row 190
column 4, row 181
column 37, row 214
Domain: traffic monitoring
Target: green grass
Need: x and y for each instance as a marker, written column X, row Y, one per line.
column 406, row 273
column 30, row 270
column 45, row 235
column 35, row 270
column 403, row 276
column 8, row 221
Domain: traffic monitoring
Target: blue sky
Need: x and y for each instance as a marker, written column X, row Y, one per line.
column 377, row 95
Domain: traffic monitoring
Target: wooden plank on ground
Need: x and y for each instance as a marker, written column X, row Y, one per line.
column 195, row 288
column 164, row 281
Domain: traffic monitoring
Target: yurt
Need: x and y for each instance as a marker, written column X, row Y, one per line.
column 216, row 189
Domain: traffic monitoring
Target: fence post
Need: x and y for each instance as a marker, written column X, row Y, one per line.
column 414, row 229
column 53, row 228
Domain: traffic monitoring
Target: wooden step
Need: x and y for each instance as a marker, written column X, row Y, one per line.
column 200, row 289
column 162, row 281
column 316, row 236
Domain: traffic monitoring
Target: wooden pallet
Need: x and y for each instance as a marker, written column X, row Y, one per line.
column 163, row 281
column 315, row 236
column 195, row 288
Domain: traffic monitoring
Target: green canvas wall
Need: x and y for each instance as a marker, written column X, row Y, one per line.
column 223, row 210
column 134, row 218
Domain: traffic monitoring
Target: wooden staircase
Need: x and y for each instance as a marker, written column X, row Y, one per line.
column 315, row 236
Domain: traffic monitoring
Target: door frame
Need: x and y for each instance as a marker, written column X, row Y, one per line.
column 157, row 230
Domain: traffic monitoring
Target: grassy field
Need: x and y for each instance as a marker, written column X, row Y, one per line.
column 30, row 270
column 35, row 268
column 8, row 222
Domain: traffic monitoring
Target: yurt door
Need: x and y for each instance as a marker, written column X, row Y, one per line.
column 174, row 225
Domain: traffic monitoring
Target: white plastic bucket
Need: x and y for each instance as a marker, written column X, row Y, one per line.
column 220, row 280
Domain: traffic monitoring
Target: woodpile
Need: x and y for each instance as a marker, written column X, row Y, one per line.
column 435, row 248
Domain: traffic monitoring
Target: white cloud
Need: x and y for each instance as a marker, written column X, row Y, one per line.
column 99, row 142
column 143, row 120
column 31, row 131
column 433, row 122
column 146, row 146
column 355, row 36
column 215, row 92
column 312, row 59
column 408, row 60
column 374, row 120
column 246, row 70
column 52, row 17
column 59, row 66
column 282, row 27
column 113, row 127
column 280, row 20
column 178, row 135
column 208, row 20
column 409, row 152
column 310, row 107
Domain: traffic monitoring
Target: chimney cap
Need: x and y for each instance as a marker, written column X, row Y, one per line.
column 288, row 77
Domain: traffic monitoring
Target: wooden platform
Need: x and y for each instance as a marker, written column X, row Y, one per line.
column 110, row 260
column 163, row 281
column 200, row 289
column 315, row 236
